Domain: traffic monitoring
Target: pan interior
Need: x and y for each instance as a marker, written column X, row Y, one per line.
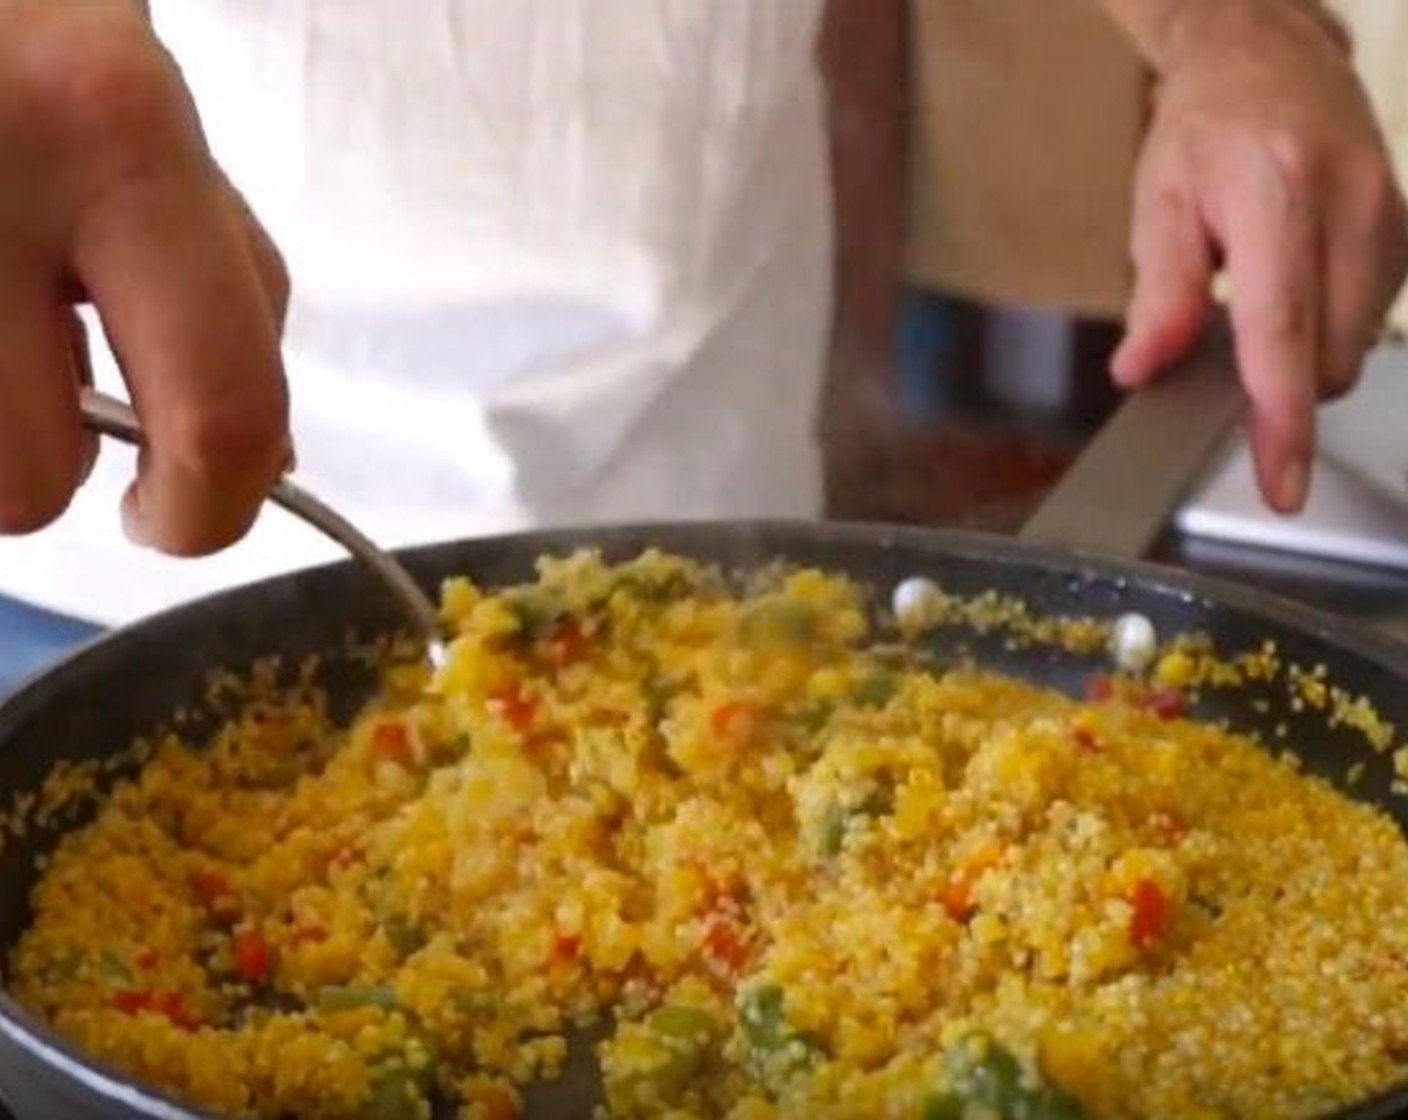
column 126, row 685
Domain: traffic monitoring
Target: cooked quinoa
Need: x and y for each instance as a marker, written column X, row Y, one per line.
column 787, row 868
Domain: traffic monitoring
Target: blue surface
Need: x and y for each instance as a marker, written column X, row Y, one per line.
column 31, row 638
column 924, row 345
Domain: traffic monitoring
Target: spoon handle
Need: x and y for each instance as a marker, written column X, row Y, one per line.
column 111, row 417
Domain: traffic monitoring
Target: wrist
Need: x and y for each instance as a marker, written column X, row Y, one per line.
column 1191, row 24
column 1168, row 33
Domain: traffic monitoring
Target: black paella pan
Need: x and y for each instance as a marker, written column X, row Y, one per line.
column 126, row 684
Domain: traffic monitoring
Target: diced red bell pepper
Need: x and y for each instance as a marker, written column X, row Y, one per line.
column 734, row 719
column 169, row 1005
column 726, row 894
column 957, row 894
column 606, row 717
column 212, row 888
column 252, row 956
column 724, row 945
column 517, row 709
column 209, row 885
column 566, row 947
column 391, row 740
column 957, row 898
column 1147, row 922
column 1166, row 703
column 1100, row 687
column 1086, row 739
column 346, row 856
column 567, row 642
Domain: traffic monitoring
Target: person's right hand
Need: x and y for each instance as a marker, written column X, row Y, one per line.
column 1264, row 154
column 108, row 194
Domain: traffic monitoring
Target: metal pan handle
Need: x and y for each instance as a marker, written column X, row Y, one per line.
column 1117, row 497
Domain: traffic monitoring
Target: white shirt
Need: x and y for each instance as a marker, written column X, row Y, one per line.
column 552, row 264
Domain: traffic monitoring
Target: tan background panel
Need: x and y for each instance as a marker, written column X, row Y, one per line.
column 1027, row 116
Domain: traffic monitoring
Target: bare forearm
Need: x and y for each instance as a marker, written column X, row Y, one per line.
column 862, row 57
column 1160, row 28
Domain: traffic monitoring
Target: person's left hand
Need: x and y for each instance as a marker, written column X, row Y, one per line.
column 1264, row 154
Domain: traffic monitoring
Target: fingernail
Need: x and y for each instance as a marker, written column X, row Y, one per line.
column 1295, row 482
column 1119, row 362
column 133, row 524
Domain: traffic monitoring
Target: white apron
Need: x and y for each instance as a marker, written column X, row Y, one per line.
column 553, row 263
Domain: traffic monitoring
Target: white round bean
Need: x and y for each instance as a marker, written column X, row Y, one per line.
column 1133, row 642
column 915, row 599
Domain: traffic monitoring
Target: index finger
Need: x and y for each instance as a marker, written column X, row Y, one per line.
column 1272, row 248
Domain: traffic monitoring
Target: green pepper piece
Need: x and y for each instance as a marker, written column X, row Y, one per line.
column 658, row 691
column 654, row 588
column 875, row 691
column 880, row 801
column 771, row 623
column 770, row 1036
column 814, row 716
column 424, row 1074
column 537, row 612
column 1057, row 1104
column 348, row 997
column 105, row 966
column 111, row 968
column 62, row 968
column 984, row 1078
column 833, row 831
column 760, row 1012
column 687, row 1024
column 471, row 1001
column 687, row 1033
column 394, row 1095
column 405, row 936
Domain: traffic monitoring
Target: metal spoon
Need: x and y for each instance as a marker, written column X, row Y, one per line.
column 109, row 416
